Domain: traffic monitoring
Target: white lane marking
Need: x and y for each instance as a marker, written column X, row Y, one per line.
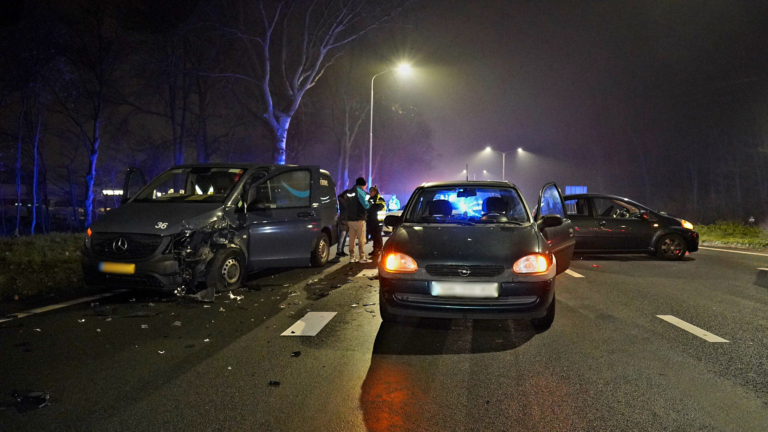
column 368, row 273
column 310, row 324
column 734, row 251
column 59, row 306
column 709, row 337
column 573, row 273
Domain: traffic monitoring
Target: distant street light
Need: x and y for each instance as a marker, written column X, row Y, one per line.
column 402, row 69
column 503, row 160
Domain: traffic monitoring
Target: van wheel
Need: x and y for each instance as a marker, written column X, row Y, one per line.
column 225, row 270
column 671, row 247
column 544, row 323
column 322, row 251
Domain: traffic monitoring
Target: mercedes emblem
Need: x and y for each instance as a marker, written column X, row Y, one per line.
column 465, row 271
column 120, row 245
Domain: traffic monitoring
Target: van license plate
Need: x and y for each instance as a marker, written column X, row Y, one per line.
column 465, row 289
column 117, row 268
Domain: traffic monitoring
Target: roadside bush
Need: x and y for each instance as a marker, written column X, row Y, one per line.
column 40, row 264
column 733, row 233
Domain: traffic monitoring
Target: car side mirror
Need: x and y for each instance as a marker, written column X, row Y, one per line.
column 643, row 214
column 549, row 221
column 392, row 221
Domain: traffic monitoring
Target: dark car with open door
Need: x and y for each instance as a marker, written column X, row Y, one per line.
column 473, row 250
column 612, row 224
column 208, row 225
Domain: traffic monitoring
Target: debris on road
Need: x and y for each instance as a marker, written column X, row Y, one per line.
column 234, row 297
column 161, row 352
column 144, row 326
column 295, row 353
column 207, row 340
column 82, row 320
column 221, row 309
column 176, row 324
column 355, row 305
column 37, row 330
column 274, row 383
column 30, row 401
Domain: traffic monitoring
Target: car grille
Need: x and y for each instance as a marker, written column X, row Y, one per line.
column 499, row 302
column 460, row 270
column 138, row 245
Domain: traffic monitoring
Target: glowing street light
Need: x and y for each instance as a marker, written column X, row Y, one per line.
column 402, row 69
column 503, row 160
column 519, row 149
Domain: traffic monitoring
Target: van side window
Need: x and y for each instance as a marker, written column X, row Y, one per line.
column 287, row 190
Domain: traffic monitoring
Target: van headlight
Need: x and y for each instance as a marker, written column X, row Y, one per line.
column 532, row 264
column 400, row 263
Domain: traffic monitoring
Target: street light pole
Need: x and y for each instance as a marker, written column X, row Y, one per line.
column 403, row 69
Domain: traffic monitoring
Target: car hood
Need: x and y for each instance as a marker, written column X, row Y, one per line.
column 156, row 218
column 468, row 245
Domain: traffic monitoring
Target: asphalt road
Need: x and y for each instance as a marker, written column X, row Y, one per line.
column 608, row 363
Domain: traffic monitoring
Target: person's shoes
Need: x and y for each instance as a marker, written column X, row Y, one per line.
column 353, row 260
column 365, row 261
column 341, row 254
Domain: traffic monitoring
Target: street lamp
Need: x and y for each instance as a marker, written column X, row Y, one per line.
column 402, row 69
column 503, row 160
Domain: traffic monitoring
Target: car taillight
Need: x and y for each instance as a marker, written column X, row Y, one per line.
column 535, row 263
column 400, row 263
column 89, row 232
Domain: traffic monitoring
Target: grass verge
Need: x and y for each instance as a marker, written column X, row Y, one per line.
column 41, row 264
column 733, row 234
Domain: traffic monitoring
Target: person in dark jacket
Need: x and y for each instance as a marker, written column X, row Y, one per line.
column 377, row 204
column 357, row 204
column 343, row 226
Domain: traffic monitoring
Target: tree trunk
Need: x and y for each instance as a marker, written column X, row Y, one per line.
column 18, row 178
column 91, row 176
column 35, row 174
column 281, row 134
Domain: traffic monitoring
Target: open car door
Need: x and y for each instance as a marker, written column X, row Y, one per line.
column 560, row 237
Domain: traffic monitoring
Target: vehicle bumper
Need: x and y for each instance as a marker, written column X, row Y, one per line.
column 517, row 300
column 691, row 240
column 158, row 272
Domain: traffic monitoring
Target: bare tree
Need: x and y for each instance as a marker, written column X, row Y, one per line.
column 287, row 45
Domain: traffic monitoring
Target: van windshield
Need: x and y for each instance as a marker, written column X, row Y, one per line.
column 467, row 206
column 189, row 185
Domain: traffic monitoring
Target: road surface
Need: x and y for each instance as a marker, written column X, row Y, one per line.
column 637, row 344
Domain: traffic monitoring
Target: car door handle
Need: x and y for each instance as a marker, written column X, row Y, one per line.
column 307, row 214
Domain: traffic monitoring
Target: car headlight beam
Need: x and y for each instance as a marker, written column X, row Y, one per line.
column 400, row 263
column 686, row 224
column 532, row 264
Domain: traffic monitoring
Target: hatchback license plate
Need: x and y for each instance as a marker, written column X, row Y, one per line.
column 117, row 268
column 465, row 289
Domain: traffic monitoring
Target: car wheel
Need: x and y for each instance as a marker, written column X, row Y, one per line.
column 671, row 247
column 544, row 323
column 322, row 251
column 225, row 270
column 386, row 315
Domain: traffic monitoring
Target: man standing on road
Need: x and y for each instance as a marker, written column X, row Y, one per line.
column 377, row 204
column 343, row 226
column 357, row 204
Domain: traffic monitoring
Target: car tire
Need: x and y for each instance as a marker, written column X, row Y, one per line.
column 226, row 270
column 671, row 247
column 544, row 323
column 321, row 252
column 386, row 315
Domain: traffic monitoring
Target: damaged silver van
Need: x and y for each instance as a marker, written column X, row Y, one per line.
column 204, row 227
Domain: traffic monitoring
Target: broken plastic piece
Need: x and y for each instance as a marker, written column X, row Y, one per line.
column 161, row 352
column 81, row 320
column 144, row 326
column 221, row 310
column 207, row 340
column 30, row 401
column 274, row 383
column 295, row 353
column 38, row 330
column 234, row 297
column 177, row 324
column 355, row 305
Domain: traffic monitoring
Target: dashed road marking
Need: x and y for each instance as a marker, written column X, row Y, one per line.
column 707, row 336
column 573, row 273
column 734, row 251
column 59, row 306
column 310, row 324
column 368, row 273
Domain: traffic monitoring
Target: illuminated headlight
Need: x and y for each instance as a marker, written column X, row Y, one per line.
column 530, row 264
column 400, row 263
column 686, row 224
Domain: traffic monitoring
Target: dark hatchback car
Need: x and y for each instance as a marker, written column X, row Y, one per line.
column 473, row 250
column 611, row 224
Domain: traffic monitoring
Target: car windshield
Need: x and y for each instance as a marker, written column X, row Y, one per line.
column 467, row 206
column 206, row 185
